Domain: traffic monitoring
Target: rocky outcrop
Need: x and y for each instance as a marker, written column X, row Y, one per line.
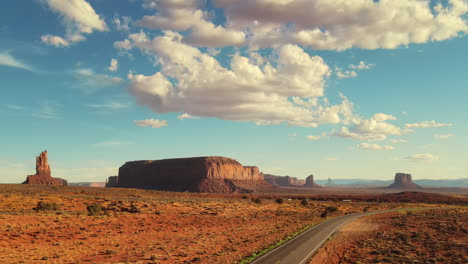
column 285, row 181
column 111, row 181
column 43, row 174
column 201, row 174
column 403, row 181
column 310, row 182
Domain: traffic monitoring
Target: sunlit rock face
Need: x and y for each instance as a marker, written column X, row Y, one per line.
column 200, row 174
column 43, row 174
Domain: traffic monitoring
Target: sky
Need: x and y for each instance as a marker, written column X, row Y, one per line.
column 338, row 89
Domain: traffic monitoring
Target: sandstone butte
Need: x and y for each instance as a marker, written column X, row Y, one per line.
column 288, row 181
column 43, row 173
column 403, row 181
column 199, row 174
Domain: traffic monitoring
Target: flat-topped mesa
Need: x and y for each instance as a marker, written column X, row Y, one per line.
column 403, row 181
column 310, row 182
column 43, row 173
column 285, row 181
column 200, row 174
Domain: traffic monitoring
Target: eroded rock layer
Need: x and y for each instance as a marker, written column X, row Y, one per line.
column 201, row 174
column 286, row 181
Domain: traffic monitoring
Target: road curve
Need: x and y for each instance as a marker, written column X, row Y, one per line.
column 299, row 249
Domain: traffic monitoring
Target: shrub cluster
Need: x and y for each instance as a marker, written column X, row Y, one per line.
column 43, row 206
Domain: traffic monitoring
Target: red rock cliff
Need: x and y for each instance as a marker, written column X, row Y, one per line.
column 43, row 173
column 201, row 174
column 310, row 182
column 286, row 181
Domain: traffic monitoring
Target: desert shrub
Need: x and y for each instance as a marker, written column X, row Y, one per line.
column 331, row 209
column 279, row 201
column 366, row 209
column 94, row 209
column 256, row 200
column 43, row 206
column 244, row 197
column 324, row 214
column 304, row 202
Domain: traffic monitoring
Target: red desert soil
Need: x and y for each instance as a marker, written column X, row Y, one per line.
column 47, row 224
column 422, row 236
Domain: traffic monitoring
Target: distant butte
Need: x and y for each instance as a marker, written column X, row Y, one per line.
column 403, row 181
column 43, row 174
column 199, row 174
column 288, row 181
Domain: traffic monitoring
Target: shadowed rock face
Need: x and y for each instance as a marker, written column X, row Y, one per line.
column 286, row 181
column 43, row 173
column 201, row 174
column 112, row 181
column 310, row 182
column 403, row 181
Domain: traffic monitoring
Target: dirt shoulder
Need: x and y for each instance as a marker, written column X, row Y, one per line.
column 425, row 236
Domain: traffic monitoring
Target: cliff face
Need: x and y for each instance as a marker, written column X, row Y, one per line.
column 112, row 181
column 202, row 174
column 403, row 181
column 310, row 182
column 286, row 181
column 43, row 173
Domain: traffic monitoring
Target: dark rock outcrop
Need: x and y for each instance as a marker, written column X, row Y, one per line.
column 200, row 174
column 111, row 181
column 43, row 174
column 310, row 182
column 403, row 181
column 285, row 181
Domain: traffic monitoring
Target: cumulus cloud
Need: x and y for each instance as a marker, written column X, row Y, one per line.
column 395, row 141
column 351, row 73
column 123, row 23
column 373, row 129
column 9, row 61
column 55, row 41
column 445, row 136
column 186, row 116
column 289, row 89
column 339, row 25
column 425, row 157
column 186, row 16
column 78, row 17
column 312, row 137
column 154, row 123
column 427, row 124
column 345, row 74
column 114, row 65
column 367, row 146
column 361, row 66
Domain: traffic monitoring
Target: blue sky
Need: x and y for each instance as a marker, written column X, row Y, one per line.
column 294, row 87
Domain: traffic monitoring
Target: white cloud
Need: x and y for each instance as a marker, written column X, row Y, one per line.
column 91, row 81
column 395, row 141
column 426, row 124
column 312, row 137
column 339, row 25
column 110, row 105
column 9, row 61
column 283, row 89
column 185, row 16
column 361, row 66
column 367, row 146
column 123, row 23
column 425, row 157
column 373, row 129
column 55, row 41
column 154, row 123
column 345, row 74
column 14, row 107
column 79, row 18
column 445, row 136
column 114, row 65
column 186, row 116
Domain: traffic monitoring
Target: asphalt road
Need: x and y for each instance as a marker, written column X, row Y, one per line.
column 301, row 248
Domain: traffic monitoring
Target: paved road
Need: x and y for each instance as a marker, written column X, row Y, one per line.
column 301, row 248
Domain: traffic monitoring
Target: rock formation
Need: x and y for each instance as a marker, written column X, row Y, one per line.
column 200, row 174
column 111, row 181
column 43, row 173
column 285, row 181
column 310, row 182
column 403, row 181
